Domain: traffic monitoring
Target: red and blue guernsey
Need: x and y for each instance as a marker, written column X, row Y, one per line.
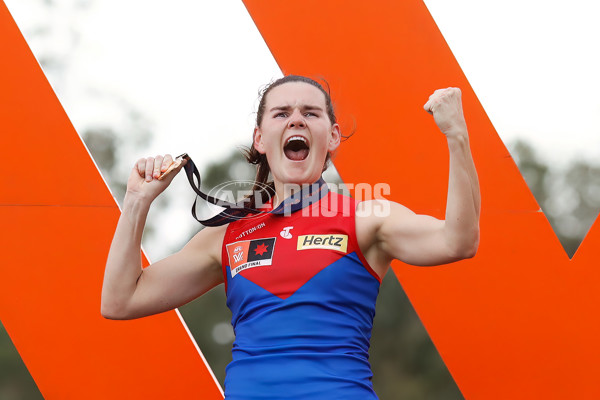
column 303, row 300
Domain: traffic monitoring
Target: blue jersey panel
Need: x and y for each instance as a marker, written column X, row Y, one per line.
column 312, row 345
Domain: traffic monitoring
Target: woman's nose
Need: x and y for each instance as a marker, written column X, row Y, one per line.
column 296, row 120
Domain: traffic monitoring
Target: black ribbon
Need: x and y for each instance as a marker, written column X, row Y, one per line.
column 234, row 211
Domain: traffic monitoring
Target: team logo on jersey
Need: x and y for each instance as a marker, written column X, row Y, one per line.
column 249, row 254
column 331, row 242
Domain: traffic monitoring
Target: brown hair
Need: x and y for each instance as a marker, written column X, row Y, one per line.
column 260, row 160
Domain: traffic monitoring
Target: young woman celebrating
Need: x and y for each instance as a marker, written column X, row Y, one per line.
column 301, row 284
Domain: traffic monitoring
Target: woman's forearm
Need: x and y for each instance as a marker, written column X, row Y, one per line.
column 464, row 200
column 124, row 263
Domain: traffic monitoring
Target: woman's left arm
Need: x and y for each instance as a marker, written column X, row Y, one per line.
column 424, row 240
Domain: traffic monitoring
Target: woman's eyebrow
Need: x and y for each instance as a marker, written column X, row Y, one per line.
column 280, row 108
column 302, row 107
column 311, row 107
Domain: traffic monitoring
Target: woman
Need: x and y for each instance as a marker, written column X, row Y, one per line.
column 302, row 284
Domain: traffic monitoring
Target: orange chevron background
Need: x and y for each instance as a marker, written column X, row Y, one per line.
column 516, row 322
column 58, row 218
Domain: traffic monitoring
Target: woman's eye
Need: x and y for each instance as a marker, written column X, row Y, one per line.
column 281, row 115
column 310, row 114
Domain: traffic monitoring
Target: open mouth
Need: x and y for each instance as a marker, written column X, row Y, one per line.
column 296, row 148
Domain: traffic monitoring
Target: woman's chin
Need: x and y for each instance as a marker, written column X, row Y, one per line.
column 299, row 175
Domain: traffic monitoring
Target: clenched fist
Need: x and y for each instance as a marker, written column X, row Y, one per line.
column 145, row 180
column 446, row 107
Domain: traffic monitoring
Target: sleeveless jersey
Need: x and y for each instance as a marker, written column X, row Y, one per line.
column 302, row 298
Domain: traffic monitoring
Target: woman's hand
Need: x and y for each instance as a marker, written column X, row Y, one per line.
column 144, row 182
column 446, row 107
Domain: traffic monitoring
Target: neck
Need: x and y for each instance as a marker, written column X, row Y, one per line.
column 285, row 190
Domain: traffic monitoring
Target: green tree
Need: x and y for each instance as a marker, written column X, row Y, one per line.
column 15, row 381
column 569, row 196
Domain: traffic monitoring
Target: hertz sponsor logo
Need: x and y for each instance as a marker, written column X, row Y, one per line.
column 331, row 242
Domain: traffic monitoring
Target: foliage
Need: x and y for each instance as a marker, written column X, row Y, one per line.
column 15, row 381
column 569, row 196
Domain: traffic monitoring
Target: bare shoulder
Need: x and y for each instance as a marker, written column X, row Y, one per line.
column 387, row 230
column 208, row 242
column 371, row 217
column 197, row 264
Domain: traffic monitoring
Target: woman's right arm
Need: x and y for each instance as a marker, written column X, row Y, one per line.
column 132, row 292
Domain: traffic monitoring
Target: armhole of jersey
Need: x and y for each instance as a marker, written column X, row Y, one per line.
column 359, row 253
column 225, row 256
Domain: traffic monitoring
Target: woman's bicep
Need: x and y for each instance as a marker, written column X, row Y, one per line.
column 412, row 238
column 181, row 277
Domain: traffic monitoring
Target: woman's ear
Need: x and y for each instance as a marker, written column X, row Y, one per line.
column 258, row 143
column 335, row 138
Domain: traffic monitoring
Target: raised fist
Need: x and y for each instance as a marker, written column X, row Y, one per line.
column 446, row 107
column 147, row 178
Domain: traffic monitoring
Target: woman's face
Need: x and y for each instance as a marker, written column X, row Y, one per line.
column 295, row 133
